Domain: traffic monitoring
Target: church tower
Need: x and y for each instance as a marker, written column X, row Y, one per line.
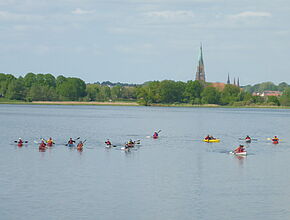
column 200, row 74
column 228, row 82
column 238, row 83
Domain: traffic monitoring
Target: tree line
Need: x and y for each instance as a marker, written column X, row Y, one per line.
column 45, row 87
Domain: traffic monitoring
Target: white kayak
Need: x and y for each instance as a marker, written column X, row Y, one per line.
column 240, row 153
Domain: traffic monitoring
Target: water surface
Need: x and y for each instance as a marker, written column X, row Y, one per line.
column 175, row 177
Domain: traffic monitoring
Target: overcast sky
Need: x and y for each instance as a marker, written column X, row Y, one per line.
column 140, row 40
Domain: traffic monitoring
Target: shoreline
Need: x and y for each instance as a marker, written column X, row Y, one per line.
column 136, row 104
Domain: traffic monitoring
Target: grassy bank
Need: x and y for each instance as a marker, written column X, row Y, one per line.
column 119, row 103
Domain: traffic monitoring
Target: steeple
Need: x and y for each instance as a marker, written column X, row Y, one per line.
column 238, row 83
column 234, row 81
column 200, row 74
column 228, row 82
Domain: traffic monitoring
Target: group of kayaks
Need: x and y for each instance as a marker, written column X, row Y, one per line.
column 44, row 144
column 240, row 150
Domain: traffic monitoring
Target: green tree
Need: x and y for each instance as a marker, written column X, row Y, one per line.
column 210, row 95
column 285, row 98
column 193, row 90
column 230, row 94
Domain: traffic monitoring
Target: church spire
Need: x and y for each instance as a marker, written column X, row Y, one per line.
column 228, row 82
column 200, row 74
column 234, row 81
column 238, row 83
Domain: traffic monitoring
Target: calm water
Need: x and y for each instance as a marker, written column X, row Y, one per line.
column 174, row 177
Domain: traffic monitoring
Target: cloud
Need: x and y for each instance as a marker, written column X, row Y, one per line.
column 248, row 14
column 79, row 11
column 170, row 14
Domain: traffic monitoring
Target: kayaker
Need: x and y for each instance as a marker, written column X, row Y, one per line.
column 130, row 143
column 155, row 135
column 71, row 141
column 108, row 142
column 42, row 145
column 207, row 137
column 20, row 141
column 248, row 137
column 240, row 149
column 80, row 145
column 49, row 142
column 275, row 138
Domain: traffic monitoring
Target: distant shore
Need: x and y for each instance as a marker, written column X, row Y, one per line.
column 136, row 104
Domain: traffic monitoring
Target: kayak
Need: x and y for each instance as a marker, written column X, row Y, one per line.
column 70, row 145
column 240, row 153
column 49, row 144
column 275, row 142
column 212, row 140
column 19, row 144
column 125, row 148
column 108, row 145
column 155, row 137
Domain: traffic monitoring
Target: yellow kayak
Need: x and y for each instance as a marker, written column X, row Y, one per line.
column 212, row 141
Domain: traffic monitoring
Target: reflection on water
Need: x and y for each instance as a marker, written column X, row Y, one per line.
column 176, row 176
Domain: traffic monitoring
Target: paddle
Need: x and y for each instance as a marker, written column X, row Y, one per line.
column 23, row 142
column 158, row 131
column 252, row 139
column 270, row 139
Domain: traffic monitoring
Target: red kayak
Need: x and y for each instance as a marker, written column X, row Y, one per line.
column 155, row 137
column 275, row 142
column 49, row 144
column 19, row 144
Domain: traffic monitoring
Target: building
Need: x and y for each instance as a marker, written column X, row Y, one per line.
column 200, row 73
column 234, row 83
column 267, row 93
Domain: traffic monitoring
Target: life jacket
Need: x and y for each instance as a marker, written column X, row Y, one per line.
column 108, row 143
column 20, row 142
column 70, row 142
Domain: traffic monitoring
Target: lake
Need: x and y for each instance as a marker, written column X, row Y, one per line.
column 174, row 177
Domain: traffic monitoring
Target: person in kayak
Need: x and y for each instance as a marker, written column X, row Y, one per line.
column 20, row 141
column 42, row 145
column 80, row 145
column 49, row 142
column 240, row 149
column 275, row 138
column 71, row 141
column 108, row 142
column 155, row 135
column 130, row 143
column 207, row 137
column 248, row 138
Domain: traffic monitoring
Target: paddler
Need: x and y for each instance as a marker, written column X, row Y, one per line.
column 80, row 146
column 248, row 138
column 71, row 141
column 130, row 143
column 275, row 138
column 207, row 137
column 49, row 142
column 20, row 141
column 240, row 149
column 42, row 145
column 108, row 142
column 155, row 135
